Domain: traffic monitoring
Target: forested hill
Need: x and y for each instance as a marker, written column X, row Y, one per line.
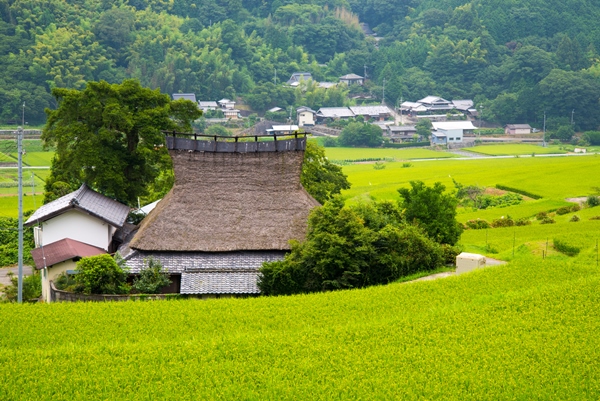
column 517, row 58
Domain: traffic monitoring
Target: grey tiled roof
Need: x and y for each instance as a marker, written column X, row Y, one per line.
column 220, row 283
column 209, row 272
column 87, row 200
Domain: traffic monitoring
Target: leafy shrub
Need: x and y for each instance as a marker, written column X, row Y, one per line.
column 593, row 137
column 547, row 220
column 330, row 142
column 593, row 201
column 523, row 221
column 595, row 218
column 505, row 200
column 66, row 282
column 575, row 207
column 32, row 288
column 563, row 210
column 574, row 219
column 379, row 165
column 152, row 278
column 565, row 246
column 541, row 215
column 503, row 222
column 450, row 253
column 406, row 165
column 101, row 275
column 352, row 247
column 478, row 224
column 9, row 245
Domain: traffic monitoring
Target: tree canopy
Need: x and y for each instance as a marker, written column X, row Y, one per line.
column 321, row 178
column 109, row 136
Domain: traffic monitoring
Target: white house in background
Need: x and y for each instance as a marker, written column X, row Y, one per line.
column 436, row 103
column 334, row 113
column 207, row 105
column 352, row 79
column 186, row 96
column 282, row 129
column 226, row 104
column 234, row 114
column 517, row 129
column 306, row 116
column 448, row 132
column 82, row 223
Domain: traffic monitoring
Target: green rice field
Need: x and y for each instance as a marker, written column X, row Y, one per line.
column 516, row 149
column 527, row 330
column 554, row 178
column 383, row 153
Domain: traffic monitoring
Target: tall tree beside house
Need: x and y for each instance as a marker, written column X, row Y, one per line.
column 321, row 178
column 109, row 136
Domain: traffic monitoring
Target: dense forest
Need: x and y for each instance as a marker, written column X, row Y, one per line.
column 517, row 59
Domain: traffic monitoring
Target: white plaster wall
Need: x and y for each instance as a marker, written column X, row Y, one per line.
column 457, row 134
column 78, row 226
column 52, row 273
column 306, row 118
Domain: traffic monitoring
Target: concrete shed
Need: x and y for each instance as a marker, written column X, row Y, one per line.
column 466, row 262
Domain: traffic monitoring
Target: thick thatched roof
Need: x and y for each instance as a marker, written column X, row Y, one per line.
column 229, row 202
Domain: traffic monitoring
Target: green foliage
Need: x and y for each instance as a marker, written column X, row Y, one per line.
column 523, row 221
column 218, row 130
column 431, row 209
column 424, row 127
column 593, row 201
column 9, row 244
column 101, row 275
column 518, row 191
column 574, row 219
column 329, row 142
column 321, row 178
column 361, row 134
column 152, row 278
column 593, row 137
column 351, row 247
column 32, row 288
column 478, row 224
column 379, row 165
column 547, row 220
column 566, row 245
column 109, row 136
column 503, row 222
column 564, row 133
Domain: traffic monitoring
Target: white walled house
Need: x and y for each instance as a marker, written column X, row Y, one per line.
column 448, row 132
column 306, row 116
column 82, row 223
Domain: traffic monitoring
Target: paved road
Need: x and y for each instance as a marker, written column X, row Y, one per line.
column 4, row 280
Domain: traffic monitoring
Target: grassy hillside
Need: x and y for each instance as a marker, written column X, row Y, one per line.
column 522, row 331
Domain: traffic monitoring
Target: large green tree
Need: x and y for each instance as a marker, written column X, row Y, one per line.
column 321, row 178
column 433, row 210
column 109, row 136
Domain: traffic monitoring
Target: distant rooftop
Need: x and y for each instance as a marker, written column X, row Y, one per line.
column 186, row 96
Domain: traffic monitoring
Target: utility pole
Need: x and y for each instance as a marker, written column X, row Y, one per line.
column 20, row 160
column 383, row 96
column 572, row 112
column 480, row 116
column 365, row 72
column 275, row 77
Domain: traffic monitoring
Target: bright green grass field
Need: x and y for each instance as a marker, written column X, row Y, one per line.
column 397, row 154
column 515, row 149
column 9, row 205
column 554, row 178
column 527, row 330
column 35, row 177
column 37, row 158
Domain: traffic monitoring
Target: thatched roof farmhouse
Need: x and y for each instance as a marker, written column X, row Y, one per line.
column 234, row 205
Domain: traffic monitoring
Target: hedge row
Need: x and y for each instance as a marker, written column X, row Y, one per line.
column 518, row 191
column 405, row 145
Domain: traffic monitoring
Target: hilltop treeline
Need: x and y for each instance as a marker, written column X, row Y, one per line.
column 517, row 59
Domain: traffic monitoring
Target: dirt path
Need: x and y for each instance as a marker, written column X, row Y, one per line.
column 489, row 262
